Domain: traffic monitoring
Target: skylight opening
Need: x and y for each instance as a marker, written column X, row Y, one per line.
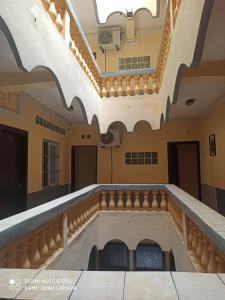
column 106, row 7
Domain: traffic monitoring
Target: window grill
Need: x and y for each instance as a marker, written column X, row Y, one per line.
column 50, row 167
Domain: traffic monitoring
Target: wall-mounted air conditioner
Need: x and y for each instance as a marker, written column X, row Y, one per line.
column 109, row 38
column 111, row 138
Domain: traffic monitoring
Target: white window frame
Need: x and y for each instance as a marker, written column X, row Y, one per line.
column 50, row 163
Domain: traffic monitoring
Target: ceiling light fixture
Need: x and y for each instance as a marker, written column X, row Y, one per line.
column 190, row 102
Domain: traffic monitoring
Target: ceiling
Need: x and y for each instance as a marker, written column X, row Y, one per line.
column 206, row 83
column 85, row 10
column 208, row 88
column 206, row 91
column 44, row 92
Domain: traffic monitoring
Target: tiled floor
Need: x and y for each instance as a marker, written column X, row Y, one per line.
column 81, row 285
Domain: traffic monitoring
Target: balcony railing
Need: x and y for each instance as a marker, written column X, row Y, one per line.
column 118, row 83
column 33, row 239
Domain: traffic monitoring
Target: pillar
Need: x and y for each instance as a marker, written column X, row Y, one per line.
column 131, row 260
column 167, row 260
column 97, row 260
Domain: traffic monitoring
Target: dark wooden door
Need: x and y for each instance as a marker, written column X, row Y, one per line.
column 84, row 167
column 184, row 166
column 13, row 171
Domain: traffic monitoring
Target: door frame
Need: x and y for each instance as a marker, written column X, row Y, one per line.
column 197, row 143
column 25, row 136
column 73, row 165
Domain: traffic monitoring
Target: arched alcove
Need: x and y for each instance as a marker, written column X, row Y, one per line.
column 114, row 257
column 149, row 256
column 141, row 126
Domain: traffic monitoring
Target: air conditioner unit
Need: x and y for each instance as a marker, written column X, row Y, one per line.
column 109, row 38
column 111, row 138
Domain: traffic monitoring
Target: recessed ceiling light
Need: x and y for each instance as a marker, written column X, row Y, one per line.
column 190, row 102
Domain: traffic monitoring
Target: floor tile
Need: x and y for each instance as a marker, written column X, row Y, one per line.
column 149, row 285
column 49, row 284
column 99, row 286
column 12, row 281
column 199, row 286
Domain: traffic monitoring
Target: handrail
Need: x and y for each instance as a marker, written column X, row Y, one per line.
column 110, row 85
column 34, row 237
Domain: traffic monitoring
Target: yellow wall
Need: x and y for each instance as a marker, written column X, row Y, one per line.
column 27, row 121
column 148, row 140
column 213, row 167
column 149, row 43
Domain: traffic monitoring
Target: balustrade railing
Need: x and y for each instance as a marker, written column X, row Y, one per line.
column 68, row 27
column 35, row 239
column 38, row 248
column 111, row 85
column 128, row 84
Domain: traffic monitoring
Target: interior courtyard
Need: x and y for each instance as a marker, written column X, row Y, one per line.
column 112, row 152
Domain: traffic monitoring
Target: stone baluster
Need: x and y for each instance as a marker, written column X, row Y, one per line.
column 205, row 254
column 75, row 221
column 154, row 85
column 97, row 204
column 136, row 199
column 52, row 11
column 103, row 86
column 46, row 3
column 176, row 8
column 163, row 203
column 42, row 245
column 212, row 265
column 154, row 200
column 111, row 200
column 145, row 90
column 120, row 88
column 84, row 212
column 145, row 202
column 199, row 249
column 81, row 214
column 90, row 204
column 70, row 224
column 190, row 235
column 50, row 240
column 22, row 260
column 57, row 234
column 88, row 209
column 120, row 200
column 128, row 89
column 78, row 220
column 8, row 259
column 59, row 23
column 195, row 239
column 128, row 200
column 94, row 205
column 33, row 252
column 136, row 88
column 103, row 200
column 112, row 89
column 220, row 258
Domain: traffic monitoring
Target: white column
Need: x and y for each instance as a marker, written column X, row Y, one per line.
column 167, row 261
column 131, row 260
column 64, row 231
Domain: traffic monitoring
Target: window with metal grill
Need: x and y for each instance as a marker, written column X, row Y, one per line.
column 141, row 158
column 132, row 63
column 50, row 165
